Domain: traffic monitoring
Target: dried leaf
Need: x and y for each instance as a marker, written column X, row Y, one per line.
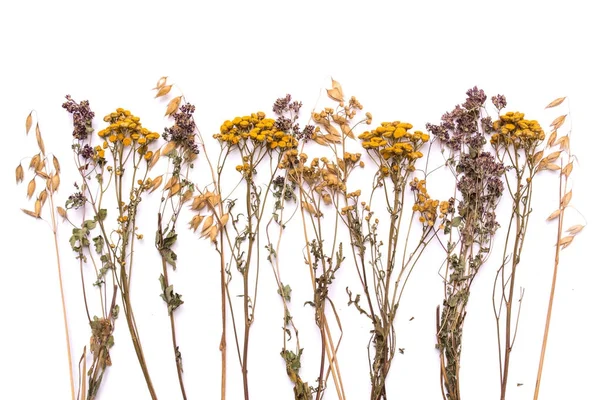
column 56, row 164
column 553, row 156
column 173, row 105
column 40, row 141
column 575, row 229
column 566, row 171
column 564, row 242
column 62, row 212
column 552, row 138
column 30, row 213
column 169, row 147
column 554, row 215
column 558, row 121
column 31, row 188
column 19, row 174
column 566, row 199
column 161, row 82
column 28, row 122
column 556, row 102
column 163, row 91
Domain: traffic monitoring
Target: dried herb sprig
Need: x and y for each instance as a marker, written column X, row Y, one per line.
column 565, row 192
column 181, row 151
column 47, row 170
column 124, row 170
column 516, row 142
column 383, row 272
column 472, row 216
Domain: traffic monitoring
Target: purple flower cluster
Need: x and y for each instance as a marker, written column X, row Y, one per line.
column 286, row 123
column 182, row 132
column 82, row 117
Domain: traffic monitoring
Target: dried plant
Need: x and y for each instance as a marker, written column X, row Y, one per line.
column 471, row 217
column 181, row 150
column 565, row 192
column 46, row 169
column 317, row 183
column 117, row 166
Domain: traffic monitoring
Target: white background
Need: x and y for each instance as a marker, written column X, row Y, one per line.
column 411, row 61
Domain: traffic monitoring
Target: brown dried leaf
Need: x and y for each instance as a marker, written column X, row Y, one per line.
column 19, row 174
column 62, row 212
column 566, row 198
column 558, row 121
column 28, row 122
column 163, row 91
column 56, row 164
column 161, row 82
column 40, row 141
column 30, row 213
column 556, row 102
column 31, row 188
column 173, row 105
column 554, row 215
column 169, row 147
column 564, row 242
column 553, row 156
column 566, row 171
column 575, row 229
column 552, row 138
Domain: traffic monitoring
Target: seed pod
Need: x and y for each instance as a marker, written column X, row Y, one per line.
column 31, row 188
column 62, row 212
column 19, row 174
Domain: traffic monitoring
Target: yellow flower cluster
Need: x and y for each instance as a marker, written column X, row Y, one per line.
column 512, row 129
column 258, row 129
column 126, row 130
column 393, row 140
column 425, row 205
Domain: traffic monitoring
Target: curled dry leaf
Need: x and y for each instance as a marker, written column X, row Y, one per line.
column 566, row 241
column 19, row 174
column 575, row 229
column 173, row 105
column 554, row 215
column 556, row 102
column 161, row 82
column 169, row 147
column 40, row 141
column 163, row 91
column 28, row 122
column 566, row 199
column 566, row 171
column 56, row 164
column 62, row 212
column 31, row 188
